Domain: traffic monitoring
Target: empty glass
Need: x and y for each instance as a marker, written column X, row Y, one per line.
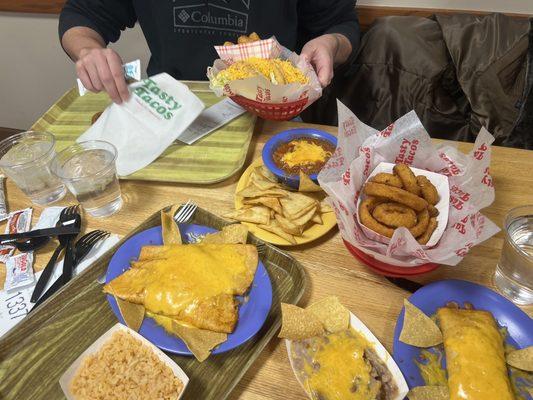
column 25, row 158
column 88, row 169
column 514, row 272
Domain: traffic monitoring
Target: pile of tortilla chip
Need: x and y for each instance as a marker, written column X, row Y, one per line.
column 274, row 208
column 199, row 341
column 420, row 330
column 325, row 316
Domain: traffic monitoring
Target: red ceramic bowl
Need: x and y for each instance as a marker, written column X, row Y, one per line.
column 387, row 269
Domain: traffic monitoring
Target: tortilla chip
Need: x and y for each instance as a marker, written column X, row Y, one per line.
column 266, row 173
column 307, row 184
column 254, row 191
column 256, row 215
column 297, row 323
column 296, row 204
column 325, row 207
column 304, row 219
column 169, row 227
column 274, row 228
column 270, row 202
column 288, row 226
column 317, row 219
column 262, row 183
column 133, row 314
column 418, row 329
column 331, row 313
column 429, row 393
column 521, row 359
column 199, row 341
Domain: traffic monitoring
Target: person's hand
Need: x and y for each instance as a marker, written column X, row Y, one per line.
column 101, row 69
column 320, row 53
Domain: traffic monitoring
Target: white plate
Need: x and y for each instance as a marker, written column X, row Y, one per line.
column 443, row 188
column 381, row 352
column 67, row 376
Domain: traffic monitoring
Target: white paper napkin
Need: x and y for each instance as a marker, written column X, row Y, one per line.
column 159, row 109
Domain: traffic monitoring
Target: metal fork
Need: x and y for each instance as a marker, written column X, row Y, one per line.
column 186, row 212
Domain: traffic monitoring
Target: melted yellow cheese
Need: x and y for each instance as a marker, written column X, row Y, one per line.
column 173, row 285
column 338, row 370
column 475, row 357
column 305, row 153
column 431, row 369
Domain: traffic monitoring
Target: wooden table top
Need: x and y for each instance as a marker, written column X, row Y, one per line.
column 331, row 269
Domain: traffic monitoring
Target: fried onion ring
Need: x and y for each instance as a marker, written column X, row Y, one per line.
column 433, row 212
column 395, row 194
column 408, row 178
column 365, row 215
column 395, row 215
column 421, row 225
column 387, row 179
column 429, row 191
column 432, row 225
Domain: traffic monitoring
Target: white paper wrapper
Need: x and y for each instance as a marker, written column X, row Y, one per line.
column 159, row 109
column 361, row 148
column 380, row 351
column 67, row 377
column 259, row 88
column 441, row 184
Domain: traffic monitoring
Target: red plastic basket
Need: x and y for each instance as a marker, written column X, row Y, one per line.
column 271, row 111
column 388, row 269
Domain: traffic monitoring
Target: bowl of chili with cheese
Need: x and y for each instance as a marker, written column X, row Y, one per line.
column 289, row 152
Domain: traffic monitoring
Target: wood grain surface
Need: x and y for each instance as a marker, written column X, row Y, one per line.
column 329, row 266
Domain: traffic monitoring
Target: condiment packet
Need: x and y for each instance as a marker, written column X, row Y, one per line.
column 361, row 148
column 3, row 205
column 259, row 88
column 19, row 271
column 132, row 70
column 18, row 221
column 159, row 109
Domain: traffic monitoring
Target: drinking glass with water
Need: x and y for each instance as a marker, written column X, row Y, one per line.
column 26, row 158
column 514, row 272
column 88, row 170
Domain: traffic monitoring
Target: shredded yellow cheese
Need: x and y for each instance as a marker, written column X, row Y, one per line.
column 305, row 153
column 276, row 70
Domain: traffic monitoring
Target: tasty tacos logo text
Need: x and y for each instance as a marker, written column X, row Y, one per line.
column 158, row 100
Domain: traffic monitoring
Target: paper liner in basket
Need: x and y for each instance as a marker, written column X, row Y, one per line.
column 259, row 88
column 361, row 148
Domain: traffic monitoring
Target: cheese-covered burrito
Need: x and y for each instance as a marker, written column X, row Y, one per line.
column 475, row 355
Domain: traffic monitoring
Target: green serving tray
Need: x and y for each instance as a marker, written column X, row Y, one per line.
column 212, row 159
column 36, row 352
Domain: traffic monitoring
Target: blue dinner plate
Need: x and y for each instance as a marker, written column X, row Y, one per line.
column 252, row 312
column 429, row 298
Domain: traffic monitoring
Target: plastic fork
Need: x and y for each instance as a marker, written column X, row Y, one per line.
column 86, row 243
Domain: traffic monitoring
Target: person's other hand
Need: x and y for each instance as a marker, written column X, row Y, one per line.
column 320, row 53
column 101, row 69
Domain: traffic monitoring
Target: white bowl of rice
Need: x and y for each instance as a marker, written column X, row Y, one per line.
column 123, row 365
